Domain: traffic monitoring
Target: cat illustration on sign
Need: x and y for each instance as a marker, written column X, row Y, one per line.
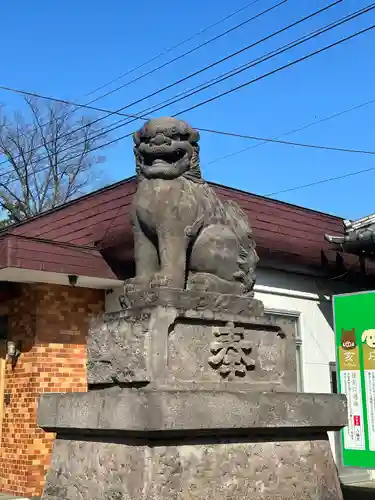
column 348, row 339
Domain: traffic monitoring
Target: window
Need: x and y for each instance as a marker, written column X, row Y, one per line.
column 289, row 322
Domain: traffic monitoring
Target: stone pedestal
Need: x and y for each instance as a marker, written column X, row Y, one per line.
column 191, row 397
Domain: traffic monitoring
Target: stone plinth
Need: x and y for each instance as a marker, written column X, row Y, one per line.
column 139, row 444
column 192, row 397
column 183, row 340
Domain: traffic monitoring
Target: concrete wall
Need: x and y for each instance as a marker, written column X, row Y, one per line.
column 310, row 299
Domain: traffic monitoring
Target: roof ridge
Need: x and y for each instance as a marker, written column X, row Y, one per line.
column 109, row 187
column 132, row 179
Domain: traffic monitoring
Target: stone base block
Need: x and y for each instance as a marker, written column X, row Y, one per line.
column 216, row 469
column 191, row 445
column 141, row 412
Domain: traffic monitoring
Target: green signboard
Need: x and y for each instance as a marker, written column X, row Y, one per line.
column 354, row 317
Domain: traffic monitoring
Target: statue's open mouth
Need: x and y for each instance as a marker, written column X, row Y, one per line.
column 162, row 155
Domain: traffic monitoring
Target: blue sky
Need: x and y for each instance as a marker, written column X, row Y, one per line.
column 67, row 49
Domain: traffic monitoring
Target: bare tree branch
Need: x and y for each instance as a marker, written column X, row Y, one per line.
column 47, row 158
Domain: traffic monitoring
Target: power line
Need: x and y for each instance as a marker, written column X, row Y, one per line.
column 63, row 101
column 226, row 58
column 84, row 249
column 321, row 181
column 205, row 68
column 167, row 51
column 79, row 106
column 69, row 103
column 281, row 50
column 110, row 112
column 137, row 116
column 194, row 49
column 311, row 124
column 257, row 79
column 262, row 59
column 235, row 71
column 288, row 143
column 311, row 54
column 141, row 116
column 285, row 66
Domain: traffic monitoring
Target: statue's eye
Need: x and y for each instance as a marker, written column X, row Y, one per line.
column 175, row 137
column 184, row 137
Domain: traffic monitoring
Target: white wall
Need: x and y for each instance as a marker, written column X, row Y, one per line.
column 310, row 298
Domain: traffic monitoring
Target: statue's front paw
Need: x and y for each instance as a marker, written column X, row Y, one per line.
column 134, row 284
column 165, row 280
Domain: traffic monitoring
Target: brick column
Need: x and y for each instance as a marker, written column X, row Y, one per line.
column 52, row 322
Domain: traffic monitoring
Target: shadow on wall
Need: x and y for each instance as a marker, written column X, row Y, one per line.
column 325, row 307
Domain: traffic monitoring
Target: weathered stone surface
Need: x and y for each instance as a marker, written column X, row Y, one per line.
column 126, row 469
column 142, row 411
column 193, row 300
column 178, row 339
column 117, row 350
column 96, row 470
column 243, row 470
column 198, row 351
column 184, row 235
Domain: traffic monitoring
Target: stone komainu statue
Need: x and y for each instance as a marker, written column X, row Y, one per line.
column 184, row 235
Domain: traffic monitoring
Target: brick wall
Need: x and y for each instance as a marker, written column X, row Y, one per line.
column 52, row 322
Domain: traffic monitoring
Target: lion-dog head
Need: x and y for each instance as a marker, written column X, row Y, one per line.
column 167, row 148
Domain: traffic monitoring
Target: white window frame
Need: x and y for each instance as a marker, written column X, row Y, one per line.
column 295, row 315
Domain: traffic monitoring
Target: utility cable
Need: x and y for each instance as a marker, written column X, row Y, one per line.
column 226, row 58
column 233, row 72
column 243, row 68
column 311, row 54
column 94, row 108
column 288, row 143
column 78, row 106
column 194, row 49
column 290, row 132
column 257, row 61
column 109, row 112
column 167, row 51
column 281, row 68
column 321, row 181
column 40, row 239
column 139, row 116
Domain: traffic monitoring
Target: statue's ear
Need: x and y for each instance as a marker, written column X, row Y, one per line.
column 137, row 138
column 364, row 336
column 194, row 135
